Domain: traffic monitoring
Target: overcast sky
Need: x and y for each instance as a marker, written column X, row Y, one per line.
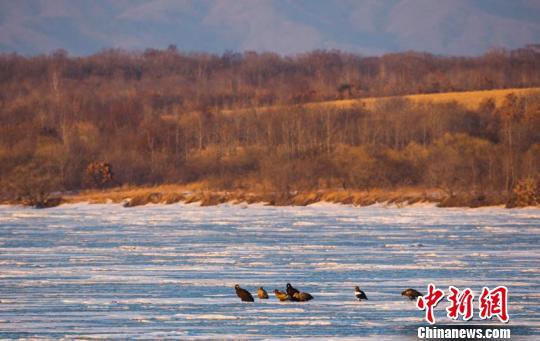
column 82, row 27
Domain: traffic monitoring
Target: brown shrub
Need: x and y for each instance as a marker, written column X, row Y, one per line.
column 523, row 194
column 98, row 174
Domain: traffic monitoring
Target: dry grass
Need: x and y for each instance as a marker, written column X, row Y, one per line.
column 469, row 99
column 198, row 193
column 167, row 194
column 203, row 195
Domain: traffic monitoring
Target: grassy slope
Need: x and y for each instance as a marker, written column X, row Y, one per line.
column 469, row 99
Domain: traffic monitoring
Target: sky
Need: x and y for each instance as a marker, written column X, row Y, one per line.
column 368, row 27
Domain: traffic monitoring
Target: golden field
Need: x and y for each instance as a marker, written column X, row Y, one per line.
column 469, row 99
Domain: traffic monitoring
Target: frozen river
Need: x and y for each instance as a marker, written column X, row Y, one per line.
column 168, row 271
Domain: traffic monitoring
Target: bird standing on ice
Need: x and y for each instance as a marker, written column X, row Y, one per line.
column 296, row 296
column 262, row 293
column 291, row 290
column 360, row 295
column 244, row 295
column 302, row 297
column 282, row 296
column 411, row 293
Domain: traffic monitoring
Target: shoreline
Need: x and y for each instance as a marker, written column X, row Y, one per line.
column 204, row 196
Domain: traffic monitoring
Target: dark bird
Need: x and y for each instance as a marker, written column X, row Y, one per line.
column 291, row 291
column 359, row 294
column 262, row 293
column 411, row 293
column 244, row 295
column 302, row 297
column 282, row 296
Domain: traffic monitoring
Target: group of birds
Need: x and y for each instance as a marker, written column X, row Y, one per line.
column 294, row 295
column 290, row 294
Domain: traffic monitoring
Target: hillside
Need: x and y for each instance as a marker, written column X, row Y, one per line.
column 142, row 120
column 470, row 100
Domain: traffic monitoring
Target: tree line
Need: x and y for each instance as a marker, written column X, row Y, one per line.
column 156, row 117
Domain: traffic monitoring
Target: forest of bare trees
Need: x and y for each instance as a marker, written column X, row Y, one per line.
column 157, row 117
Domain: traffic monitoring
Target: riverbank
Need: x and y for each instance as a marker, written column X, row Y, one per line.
column 203, row 195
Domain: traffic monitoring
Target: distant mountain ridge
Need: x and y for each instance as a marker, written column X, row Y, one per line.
column 456, row 27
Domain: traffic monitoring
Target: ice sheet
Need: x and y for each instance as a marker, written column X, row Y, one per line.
column 168, row 271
